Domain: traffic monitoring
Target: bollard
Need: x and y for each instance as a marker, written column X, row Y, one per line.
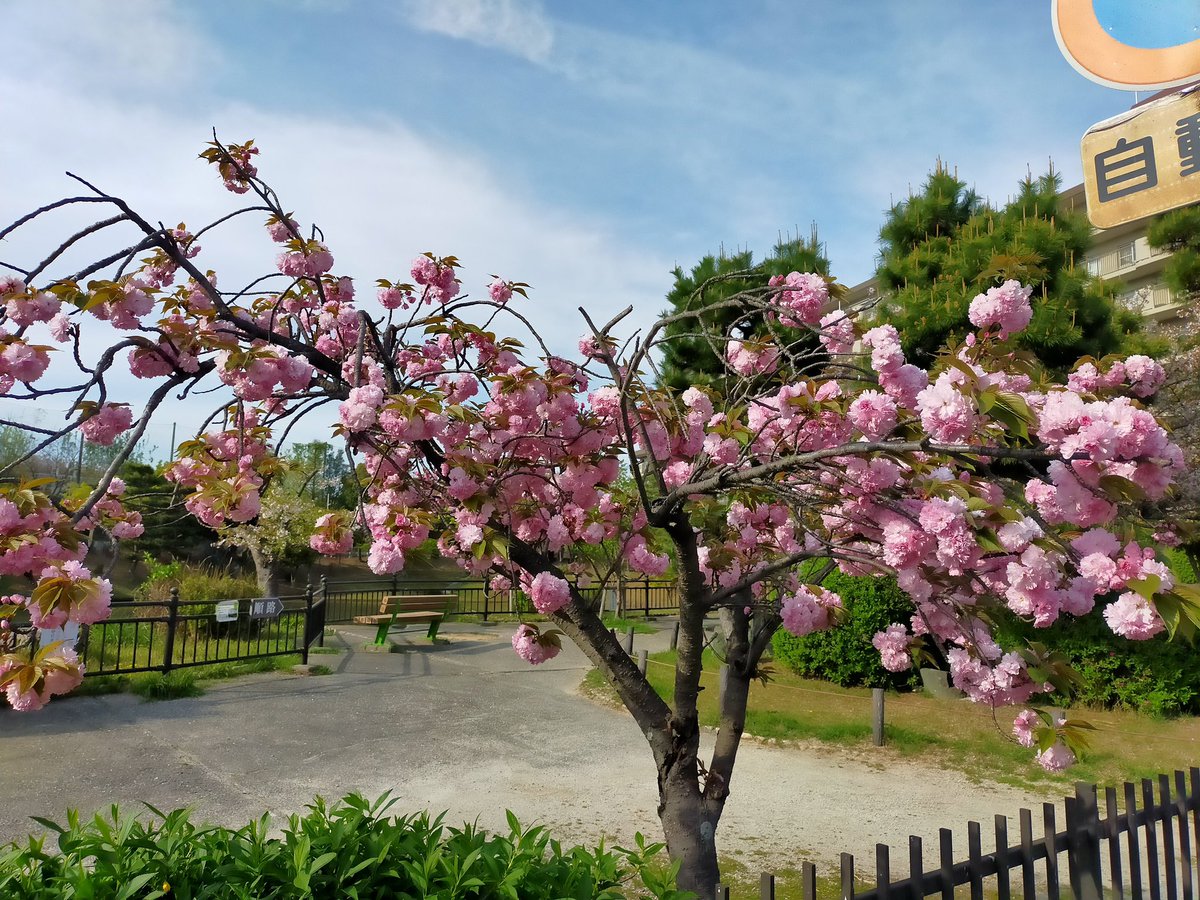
column 629, row 642
column 675, row 635
column 643, row 659
column 877, row 716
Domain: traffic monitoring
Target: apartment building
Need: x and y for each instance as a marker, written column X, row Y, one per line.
column 1123, row 254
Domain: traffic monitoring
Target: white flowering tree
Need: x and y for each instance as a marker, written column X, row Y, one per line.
column 977, row 483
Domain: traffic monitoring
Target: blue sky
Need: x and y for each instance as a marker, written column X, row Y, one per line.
column 585, row 147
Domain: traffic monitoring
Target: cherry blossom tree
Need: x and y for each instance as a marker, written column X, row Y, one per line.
column 977, row 483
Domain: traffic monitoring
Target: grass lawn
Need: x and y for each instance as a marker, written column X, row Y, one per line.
column 184, row 682
column 955, row 733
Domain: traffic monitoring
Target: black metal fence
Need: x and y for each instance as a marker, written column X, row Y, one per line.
column 161, row 635
column 1139, row 846
column 347, row 599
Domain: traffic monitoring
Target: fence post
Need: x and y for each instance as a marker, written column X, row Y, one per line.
column 172, row 621
column 324, row 612
column 675, row 635
column 646, row 585
column 1083, row 839
column 308, row 621
column 643, row 659
column 877, row 716
column 629, row 642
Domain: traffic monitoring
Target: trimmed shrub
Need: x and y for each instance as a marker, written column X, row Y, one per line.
column 844, row 654
column 350, row 849
column 1158, row 677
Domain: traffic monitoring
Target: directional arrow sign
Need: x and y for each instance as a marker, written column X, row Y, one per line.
column 266, row 608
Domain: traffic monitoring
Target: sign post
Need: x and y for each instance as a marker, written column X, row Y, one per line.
column 1145, row 161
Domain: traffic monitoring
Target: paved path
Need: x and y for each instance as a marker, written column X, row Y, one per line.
column 466, row 727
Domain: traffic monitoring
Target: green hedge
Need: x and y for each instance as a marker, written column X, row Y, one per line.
column 350, row 849
column 844, row 654
column 1158, row 677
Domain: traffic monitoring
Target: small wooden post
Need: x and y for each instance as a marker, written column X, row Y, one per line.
column 722, row 892
column 877, row 716
column 808, row 881
column 308, row 622
column 675, row 635
column 629, row 642
column 172, row 624
column 1083, row 838
column 766, row 886
column 643, row 659
column 847, row 877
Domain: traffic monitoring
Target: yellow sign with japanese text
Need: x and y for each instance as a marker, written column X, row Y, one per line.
column 1143, row 162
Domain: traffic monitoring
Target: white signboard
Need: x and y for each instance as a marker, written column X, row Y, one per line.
column 226, row 611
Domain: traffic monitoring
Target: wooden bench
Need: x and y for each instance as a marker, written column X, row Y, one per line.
column 405, row 609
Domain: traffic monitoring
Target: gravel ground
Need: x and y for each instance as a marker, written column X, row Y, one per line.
column 468, row 728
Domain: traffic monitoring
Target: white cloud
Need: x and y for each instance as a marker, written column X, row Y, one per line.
column 381, row 192
column 519, row 27
column 134, row 47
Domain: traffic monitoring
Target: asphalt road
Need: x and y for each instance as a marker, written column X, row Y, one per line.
column 468, row 728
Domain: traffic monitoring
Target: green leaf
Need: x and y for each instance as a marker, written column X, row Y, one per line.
column 1121, row 488
column 1146, row 587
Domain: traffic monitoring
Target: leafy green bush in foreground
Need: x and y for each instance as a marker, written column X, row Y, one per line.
column 350, row 849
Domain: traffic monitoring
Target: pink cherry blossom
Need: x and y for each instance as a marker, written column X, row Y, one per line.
column 531, row 647
column 803, row 299
column 109, row 421
column 893, row 647
column 25, row 309
column 751, row 359
column 1145, row 376
column 874, row 414
column 500, row 291
column 22, row 361
column 1006, row 307
column 837, row 332
column 1057, row 758
column 549, row 593
column 1023, row 726
column 1132, row 616
column 361, row 409
column 946, row 412
column 807, row 610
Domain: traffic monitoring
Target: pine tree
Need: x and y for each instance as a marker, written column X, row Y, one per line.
column 944, row 246
column 689, row 361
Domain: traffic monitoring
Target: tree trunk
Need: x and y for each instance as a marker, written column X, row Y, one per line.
column 265, row 572
column 689, row 823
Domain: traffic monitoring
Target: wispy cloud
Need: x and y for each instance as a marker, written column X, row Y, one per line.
column 381, row 191
column 519, row 27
